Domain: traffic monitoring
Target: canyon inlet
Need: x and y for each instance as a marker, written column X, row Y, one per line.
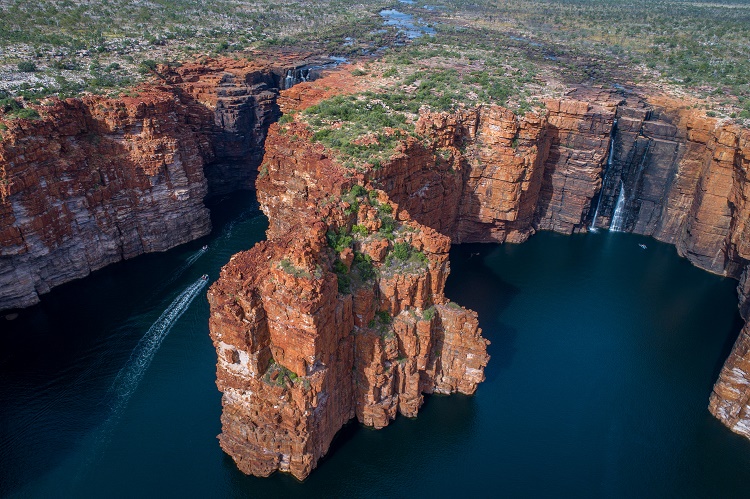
column 343, row 312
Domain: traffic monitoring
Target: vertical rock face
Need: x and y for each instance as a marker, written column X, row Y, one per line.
column 480, row 180
column 730, row 400
column 300, row 354
column 98, row 180
column 239, row 99
column 95, row 182
column 293, row 371
column 580, row 134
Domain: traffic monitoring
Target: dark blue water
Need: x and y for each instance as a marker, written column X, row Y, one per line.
column 603, row 358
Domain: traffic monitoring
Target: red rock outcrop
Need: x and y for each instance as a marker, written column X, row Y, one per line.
column 730, row 399
column 483, row 174
column 97, row 180
column 303, row 350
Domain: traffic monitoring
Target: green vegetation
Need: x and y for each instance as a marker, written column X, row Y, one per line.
column 364, row 267
column 340, row 240
column 361, row 128
column 342, row 275
column 278, row 375
column 381, row 323
column 63, row 37
column 511, row 52
column 429, row 313
column 287, row 266
column 405, row 252
column 26, row 67
column 404, row 259
column 13, row 109
column 362, row 271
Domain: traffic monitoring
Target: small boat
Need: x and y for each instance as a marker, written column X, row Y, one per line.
column 204, row 277
column 205, row 247
column 643, row 246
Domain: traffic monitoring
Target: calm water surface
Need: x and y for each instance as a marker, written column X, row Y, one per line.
column 603, row 358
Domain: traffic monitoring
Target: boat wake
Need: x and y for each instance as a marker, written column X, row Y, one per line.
column 127, row 380
column 129, row 376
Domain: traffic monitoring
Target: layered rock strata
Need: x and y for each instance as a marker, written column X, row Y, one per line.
column 303, row 349
column 482, row 174
column 97, row 180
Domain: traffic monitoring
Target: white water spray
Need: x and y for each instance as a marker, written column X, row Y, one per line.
column 592, row 228
column 618, row 218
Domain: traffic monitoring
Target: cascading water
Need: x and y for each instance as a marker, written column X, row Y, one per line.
column 289, row 80
column 618, row 218
column 592, row 228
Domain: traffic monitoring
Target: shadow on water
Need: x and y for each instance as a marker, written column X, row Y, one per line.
column 390, row 460
column 468, row 283
column 60, row 357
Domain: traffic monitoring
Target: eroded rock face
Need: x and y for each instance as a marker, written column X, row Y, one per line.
column 298, row 355
column 293, row 369
column 98, row 180
column 730, row 400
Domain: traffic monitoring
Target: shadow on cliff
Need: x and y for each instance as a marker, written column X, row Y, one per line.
column 476, row 286
column 375, row 458
column 726, row 348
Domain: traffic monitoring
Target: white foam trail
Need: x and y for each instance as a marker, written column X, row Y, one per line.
column 130, row 375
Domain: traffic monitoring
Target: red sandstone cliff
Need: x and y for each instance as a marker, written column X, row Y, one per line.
column 300, row 354
column 97, row 180
column 93, row 182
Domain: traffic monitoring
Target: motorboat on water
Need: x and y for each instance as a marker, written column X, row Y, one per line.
column 205, row 247
column 643, row 246
column 204, row 277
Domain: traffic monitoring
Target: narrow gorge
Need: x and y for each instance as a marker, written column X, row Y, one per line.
column 341, row 313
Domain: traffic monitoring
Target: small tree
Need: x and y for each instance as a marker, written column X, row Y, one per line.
column 27, row 66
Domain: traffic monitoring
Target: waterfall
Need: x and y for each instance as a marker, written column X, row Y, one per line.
column 610, row 156
column 289, row 80
column 618, row 218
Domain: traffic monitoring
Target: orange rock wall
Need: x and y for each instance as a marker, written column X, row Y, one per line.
column 338, row 360
column 96, row 181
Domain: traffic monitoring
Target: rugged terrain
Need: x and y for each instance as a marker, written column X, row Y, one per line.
column 97, row 180
column 477, row 175
column 341, row 313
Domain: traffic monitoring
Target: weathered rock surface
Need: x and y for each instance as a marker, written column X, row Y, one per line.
column 299, row 355
column 98, row 180
column 95, row 182
column 483, row 175
column 730, row 400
